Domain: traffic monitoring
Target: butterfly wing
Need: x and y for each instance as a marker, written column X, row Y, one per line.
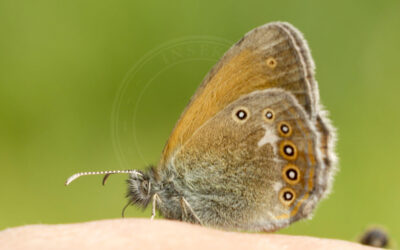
column 273, row 55
column 255, row 165
column 218, row 159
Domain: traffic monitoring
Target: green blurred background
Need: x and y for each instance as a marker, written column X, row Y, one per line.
column 98, row 85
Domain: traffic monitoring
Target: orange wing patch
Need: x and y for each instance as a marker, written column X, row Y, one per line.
column 243, row 74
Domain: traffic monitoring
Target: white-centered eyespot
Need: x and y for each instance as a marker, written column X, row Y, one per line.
column 268, row 115
column 291, row 174
column 287, row 196
column 241, row 114
column 288, row 150
column 284, row 129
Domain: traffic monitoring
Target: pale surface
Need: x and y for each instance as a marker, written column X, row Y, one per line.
column 158, row 234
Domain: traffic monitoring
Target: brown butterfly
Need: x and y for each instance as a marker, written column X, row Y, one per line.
column 254, row 149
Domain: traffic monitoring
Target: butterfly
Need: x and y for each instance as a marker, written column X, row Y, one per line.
column 254, row 149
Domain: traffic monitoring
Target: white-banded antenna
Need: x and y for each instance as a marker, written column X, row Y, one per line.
column 106, row 173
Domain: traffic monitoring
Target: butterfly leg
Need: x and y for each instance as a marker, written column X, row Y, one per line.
column 156, row 199
column 185, row 208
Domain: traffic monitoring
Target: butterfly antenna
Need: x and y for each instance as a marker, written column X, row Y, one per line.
column 106, row 173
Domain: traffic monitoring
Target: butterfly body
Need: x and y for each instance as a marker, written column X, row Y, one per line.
column 254, row 149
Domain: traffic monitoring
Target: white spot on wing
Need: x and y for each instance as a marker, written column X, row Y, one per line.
column 269, row 137
column 277, row 186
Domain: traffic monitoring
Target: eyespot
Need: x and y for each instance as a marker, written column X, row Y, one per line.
column 287, row 196
column 268, row 115
column 291, row 174
column 241, row 114
column 284, row 129
column 271, row 62
column 288, row 150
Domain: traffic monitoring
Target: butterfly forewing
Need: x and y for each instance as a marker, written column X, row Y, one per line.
column 273, row 55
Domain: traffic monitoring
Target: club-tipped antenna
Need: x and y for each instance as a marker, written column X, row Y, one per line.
column 106, row 173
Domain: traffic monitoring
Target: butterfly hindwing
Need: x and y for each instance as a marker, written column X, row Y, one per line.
column 256, row 160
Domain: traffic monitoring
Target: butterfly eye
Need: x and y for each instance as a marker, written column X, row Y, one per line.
column 271, row 62
column 287, row 196
column 288, row 150
column 241, row 114
column 269, row 115
column 291, row 174
column 284, row 129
